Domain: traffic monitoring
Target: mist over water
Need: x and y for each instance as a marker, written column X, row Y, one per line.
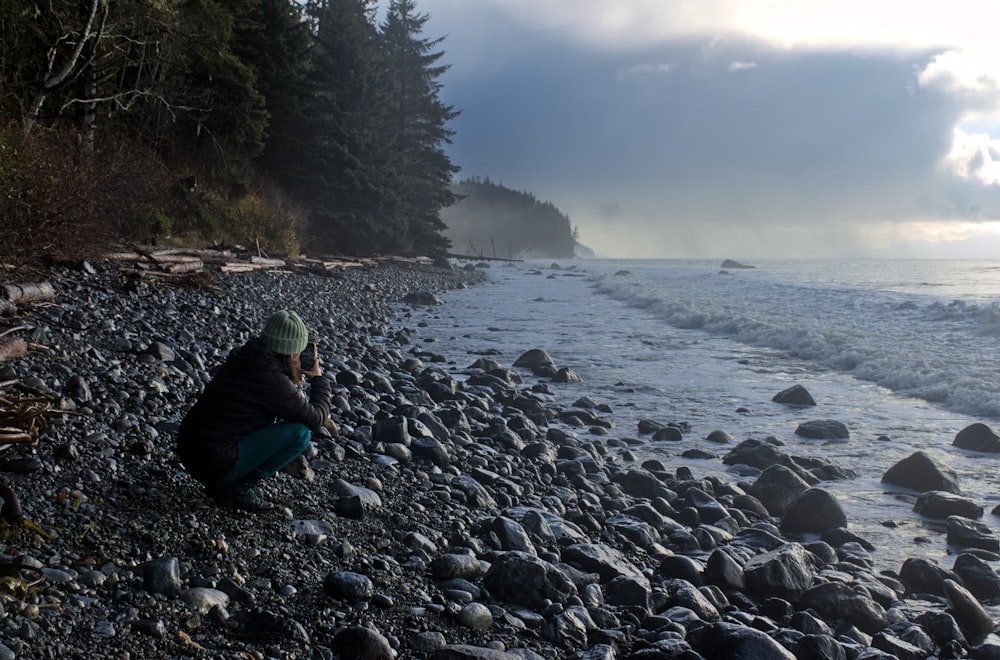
column 905, row 353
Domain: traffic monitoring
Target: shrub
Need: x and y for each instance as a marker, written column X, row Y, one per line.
column 48, row 200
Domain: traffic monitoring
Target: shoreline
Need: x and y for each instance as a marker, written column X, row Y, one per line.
column 438, row 513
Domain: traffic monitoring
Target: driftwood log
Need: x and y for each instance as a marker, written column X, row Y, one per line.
column 12, row 348
column 36, row 292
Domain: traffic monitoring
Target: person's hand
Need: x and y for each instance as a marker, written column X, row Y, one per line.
column 317, row 369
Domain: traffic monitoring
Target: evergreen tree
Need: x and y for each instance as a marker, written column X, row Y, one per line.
column 418, row 127
column 343, row 168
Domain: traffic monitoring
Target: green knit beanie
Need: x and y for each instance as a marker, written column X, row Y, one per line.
column 285, row 333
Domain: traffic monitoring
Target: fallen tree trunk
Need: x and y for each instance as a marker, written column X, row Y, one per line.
column 36, row 292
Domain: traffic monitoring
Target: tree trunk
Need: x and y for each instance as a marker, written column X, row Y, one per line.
column 40, row 292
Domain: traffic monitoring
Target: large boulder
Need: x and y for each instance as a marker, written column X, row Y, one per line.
column 922, row 473
column 816, row 510
column 939, row 504
column 531, row 359
column 823, row 429
column 977, row 437
column 777, row 488
column 785, row 572
column 598, row 558
column 966, row 533
column 731, row 640
column 836, row 600
column 755, row 453
column 977, row 576
column 796, row 395
column 524, row 579
column 972, row 618
column 923, row 576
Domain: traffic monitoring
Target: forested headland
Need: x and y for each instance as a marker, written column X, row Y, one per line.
column 293, row 125
column 492, row 220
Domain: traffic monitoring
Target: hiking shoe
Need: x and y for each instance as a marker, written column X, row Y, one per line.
column 239, row 496
column 248, row 499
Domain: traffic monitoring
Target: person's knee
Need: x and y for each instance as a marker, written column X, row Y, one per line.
column 301, row 437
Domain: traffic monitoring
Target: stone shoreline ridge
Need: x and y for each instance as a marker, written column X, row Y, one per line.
column 449, row 510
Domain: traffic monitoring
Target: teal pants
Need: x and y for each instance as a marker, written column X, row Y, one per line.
column 267, row 450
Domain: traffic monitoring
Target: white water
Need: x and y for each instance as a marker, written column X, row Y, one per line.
column 905, row 353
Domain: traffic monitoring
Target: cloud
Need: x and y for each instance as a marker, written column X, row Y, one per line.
column 842, row 136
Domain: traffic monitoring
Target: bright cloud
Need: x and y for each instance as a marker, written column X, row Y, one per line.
column 853, row 126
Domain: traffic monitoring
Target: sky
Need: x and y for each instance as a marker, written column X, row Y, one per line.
column 736, row 129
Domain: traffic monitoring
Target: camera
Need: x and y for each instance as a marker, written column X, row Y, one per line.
column 308, row 357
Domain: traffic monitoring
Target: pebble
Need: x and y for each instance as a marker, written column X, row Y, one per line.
column 442, row 505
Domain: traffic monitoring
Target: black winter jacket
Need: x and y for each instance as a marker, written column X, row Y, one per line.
column 250, row 391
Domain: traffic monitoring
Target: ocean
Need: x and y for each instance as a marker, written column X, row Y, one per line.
column 905, row 353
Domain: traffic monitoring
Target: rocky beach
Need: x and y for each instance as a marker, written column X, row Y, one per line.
column 450, row 509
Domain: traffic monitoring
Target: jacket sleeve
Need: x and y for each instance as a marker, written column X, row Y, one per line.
column 292, row 406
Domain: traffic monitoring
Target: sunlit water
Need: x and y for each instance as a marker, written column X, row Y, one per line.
column 905, row 353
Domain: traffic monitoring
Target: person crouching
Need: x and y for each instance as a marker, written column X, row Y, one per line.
column 252, row 419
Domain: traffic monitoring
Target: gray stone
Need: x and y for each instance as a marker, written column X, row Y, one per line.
column 456, row 565
column 162, row 576
column 204, row 599
column 777, row 488
column 941, row 504
column 966, row 533
column 815, row 510
column 348, row 586
column 922, row 473
column 972, row 618
column 977, row 437
column 730, row 640
column 523, row 579
column 598, row 558
column 475, row 616
column 835, row 600
column 785, row 572
column 823, row 429
column 796, row 395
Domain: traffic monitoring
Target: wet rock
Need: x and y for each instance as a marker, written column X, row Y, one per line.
column 977, row 437
column 719, row 437
column 469, row 652
column 823, row 429
column 972, row 618
column 819, row 647
column 784, row 572
column 730, row 640
column 533, row 358
column 835, row 600
column 796, row 395
column 422, row 298
column 977, row 576
column 755, row 453
column 523, row 579
column 966, row 533
column 941, row 504
column 602, row 559
column 777, row 488
column 922, row 473
column 923, row 576
column 815, row 510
